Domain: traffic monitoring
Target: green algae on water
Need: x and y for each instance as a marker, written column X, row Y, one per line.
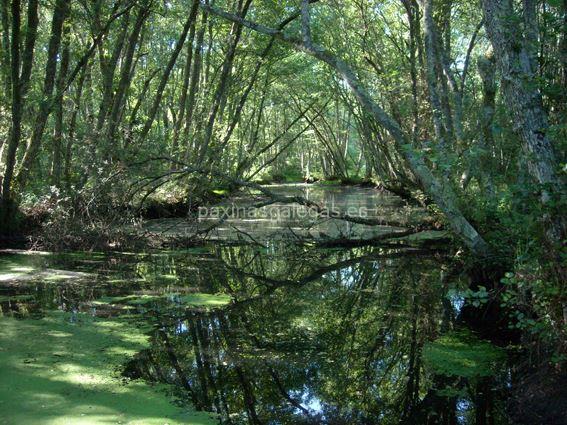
column 196, row 300
column 460, row 353
column 13, row 266
column 54, row 371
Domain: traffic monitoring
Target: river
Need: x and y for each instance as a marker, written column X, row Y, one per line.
column 260, row 329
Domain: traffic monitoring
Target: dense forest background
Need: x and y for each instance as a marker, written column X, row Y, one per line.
column 459, row 105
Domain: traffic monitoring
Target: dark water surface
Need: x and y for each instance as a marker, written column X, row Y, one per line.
column 277, row 333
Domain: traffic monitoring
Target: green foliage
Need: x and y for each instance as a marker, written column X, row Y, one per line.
column 476, row 298
column 289, row 174
column 531, row 301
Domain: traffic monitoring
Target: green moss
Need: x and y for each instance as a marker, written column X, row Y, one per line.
column 56, row 372
column 460, row 353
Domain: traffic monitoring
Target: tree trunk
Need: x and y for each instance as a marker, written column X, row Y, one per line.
column 431, row 75
column 72, row 126
column 515, row 60
column 29, row 46
column 194, row 86
column 56, row 167
column 234, row 38
column 32, row 149
column 171, row 63
column 125, row 75
column 108, row 69
column 182, row 104
column 26, row 56
column 5, row 52
column 15, row 132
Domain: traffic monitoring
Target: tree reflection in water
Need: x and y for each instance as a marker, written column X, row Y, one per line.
column 328, row 336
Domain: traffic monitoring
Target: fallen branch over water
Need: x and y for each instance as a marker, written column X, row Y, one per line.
column 354, row 243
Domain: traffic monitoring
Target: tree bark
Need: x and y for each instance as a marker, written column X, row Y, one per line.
column 29, row 45
column 515, row 60
column 5, row 52
column 182, row 104
column 194, row 85
column 72, row 126
column 26, row 56
column 431, row 74
column 126, row 74
column 15, row 131
column 56, row 168
column 236, row 31
column 108, row 69
column 32, row 149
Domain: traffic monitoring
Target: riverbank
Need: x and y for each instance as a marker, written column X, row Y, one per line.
column 55, row 228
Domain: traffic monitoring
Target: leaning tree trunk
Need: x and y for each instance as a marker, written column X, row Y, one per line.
column 221, row 90
column 194, row 84
column 440, row 191
column 182, row 103
column 108, row 70
column 72, row 126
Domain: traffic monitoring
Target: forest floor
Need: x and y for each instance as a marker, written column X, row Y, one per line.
column 65, row 368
